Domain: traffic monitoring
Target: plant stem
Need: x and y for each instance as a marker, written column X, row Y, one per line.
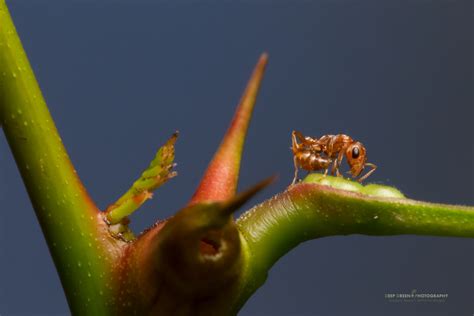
column 200, row 255
column 308, row 211
column 158, row 172
column 70, row 221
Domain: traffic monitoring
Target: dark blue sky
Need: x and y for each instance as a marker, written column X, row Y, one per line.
column 120, row 78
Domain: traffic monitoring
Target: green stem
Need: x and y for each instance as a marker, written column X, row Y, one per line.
column 307, row 211
column 69, row 219
column 158, row 172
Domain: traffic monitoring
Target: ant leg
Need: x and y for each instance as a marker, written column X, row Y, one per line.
column 295, row 136
column 294, row 143
column 337, row 164
column 305, row 142
column 371, row 165
column 325, row 172
column 296, row 171
column 334, row 167
column 298, row 135
column 295, row 146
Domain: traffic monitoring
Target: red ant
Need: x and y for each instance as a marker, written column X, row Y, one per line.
column 314, row 154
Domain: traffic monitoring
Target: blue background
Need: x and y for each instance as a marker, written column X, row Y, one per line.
column 120, row 77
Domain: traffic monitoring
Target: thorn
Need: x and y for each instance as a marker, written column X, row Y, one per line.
column 219, row 182
column 240, row 199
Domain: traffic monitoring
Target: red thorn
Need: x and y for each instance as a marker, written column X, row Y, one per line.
column 219, row 182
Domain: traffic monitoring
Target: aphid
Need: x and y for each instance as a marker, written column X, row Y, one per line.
column 314, row 154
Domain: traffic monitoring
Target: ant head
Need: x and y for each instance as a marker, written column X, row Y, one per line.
column 356, row 158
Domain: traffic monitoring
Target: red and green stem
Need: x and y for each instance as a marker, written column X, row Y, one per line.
column 105, row 270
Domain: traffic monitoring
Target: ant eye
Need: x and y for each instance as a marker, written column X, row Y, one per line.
column 355, row 152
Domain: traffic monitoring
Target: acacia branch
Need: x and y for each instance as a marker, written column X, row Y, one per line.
column 201, row 241
column 70, row 221
column 311, row 210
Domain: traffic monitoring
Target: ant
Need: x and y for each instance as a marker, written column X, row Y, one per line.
column 317, row 154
